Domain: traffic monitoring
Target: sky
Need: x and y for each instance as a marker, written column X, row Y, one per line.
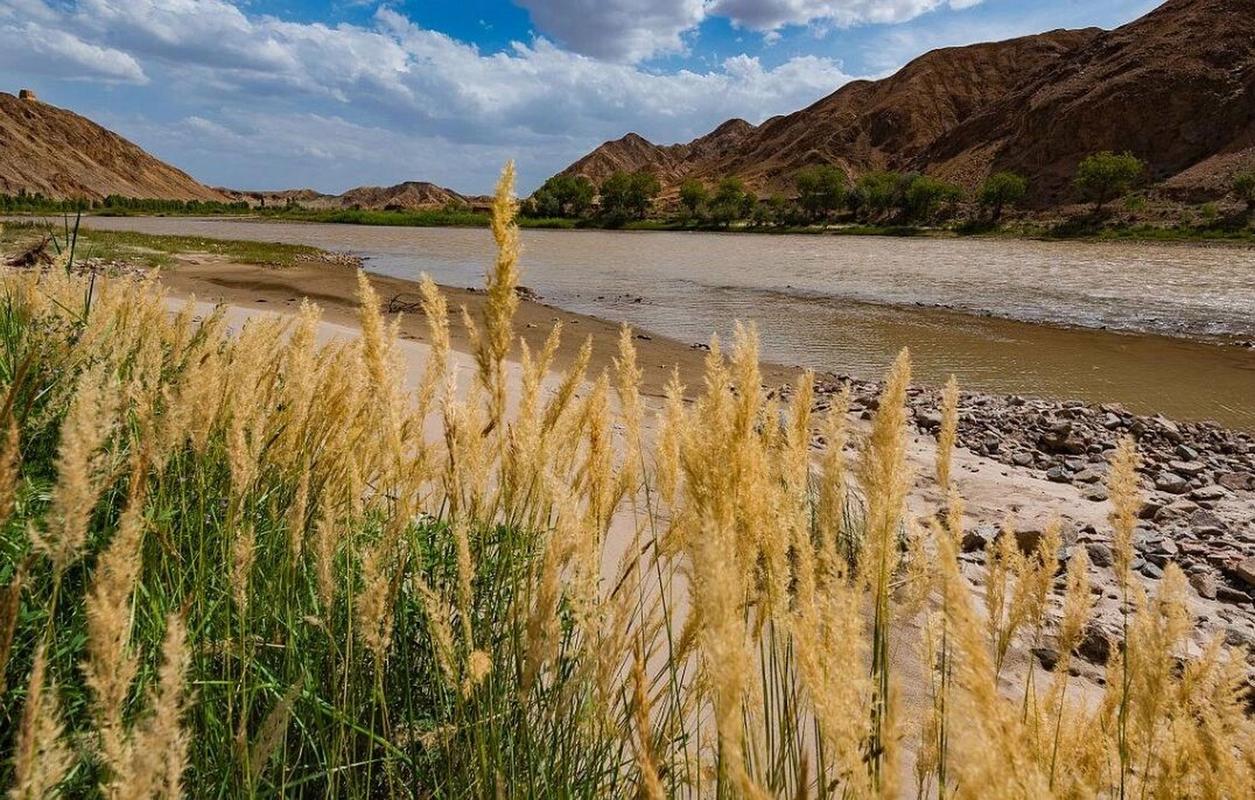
column 331, row 94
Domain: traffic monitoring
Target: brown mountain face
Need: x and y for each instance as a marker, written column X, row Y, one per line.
column 1176, row 87
column 671, row 163
column 57, row 153
column 407, row 196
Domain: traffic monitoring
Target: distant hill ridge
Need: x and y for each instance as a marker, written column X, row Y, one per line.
column 1176, row 87
column 62, row 155
column 406, row 196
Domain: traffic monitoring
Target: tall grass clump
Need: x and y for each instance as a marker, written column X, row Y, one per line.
column 249, row 560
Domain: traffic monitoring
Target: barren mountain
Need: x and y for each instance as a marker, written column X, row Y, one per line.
column 57, row 153
column 1176, row 87
column 407, row 196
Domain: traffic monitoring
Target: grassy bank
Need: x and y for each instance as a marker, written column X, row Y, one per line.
column 235, row 564
column 154, row 250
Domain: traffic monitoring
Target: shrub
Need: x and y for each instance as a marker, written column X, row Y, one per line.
column 821, row 190
column 563, row 196
column 1002, row 190
column 693, row 196
column 627, row 196
column 879, row 192
column 1104, row 176
column 1244, row 189
column 731, row 201
column 924, row 197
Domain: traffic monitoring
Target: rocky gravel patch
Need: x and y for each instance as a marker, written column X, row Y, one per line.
column 1198, row 478
column 1198, row 481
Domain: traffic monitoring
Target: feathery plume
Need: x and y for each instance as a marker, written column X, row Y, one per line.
column 948, row 434
column 86, row 428
column 42, row 759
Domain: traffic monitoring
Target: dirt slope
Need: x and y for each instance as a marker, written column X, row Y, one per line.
column 1177, row 87
column 60, row 154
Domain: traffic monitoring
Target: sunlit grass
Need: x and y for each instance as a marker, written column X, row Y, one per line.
column 236, row 563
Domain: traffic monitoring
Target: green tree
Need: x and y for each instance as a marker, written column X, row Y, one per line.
column 1002, row 190
column 879, row 192
column 924, row 195
column 820, row 190
column 693, row 196
column 1244, row 189
column 627, row 195
column 1102, row 177
column 771, row 212
column 731, row 201
column 564, row 196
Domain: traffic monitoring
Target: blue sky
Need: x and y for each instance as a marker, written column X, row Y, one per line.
column 332, row 94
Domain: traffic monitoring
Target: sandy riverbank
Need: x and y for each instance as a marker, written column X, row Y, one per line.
column 1208, row 527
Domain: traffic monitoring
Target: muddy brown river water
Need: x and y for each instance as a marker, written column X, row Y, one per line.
column 1154, row 327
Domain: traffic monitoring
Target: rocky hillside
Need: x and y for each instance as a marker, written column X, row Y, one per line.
column 407, row 196
column 59, row 154
column 1177, row 87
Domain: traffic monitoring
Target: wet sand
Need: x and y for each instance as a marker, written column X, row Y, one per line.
column 334, row 289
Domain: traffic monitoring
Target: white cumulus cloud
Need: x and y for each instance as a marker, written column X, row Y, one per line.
column 771, row 15
column 617, row 30
column 394, row 80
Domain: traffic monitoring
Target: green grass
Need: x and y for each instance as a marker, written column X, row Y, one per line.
column 154, row 250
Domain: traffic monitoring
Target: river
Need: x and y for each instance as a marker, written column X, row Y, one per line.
column 1150, row 326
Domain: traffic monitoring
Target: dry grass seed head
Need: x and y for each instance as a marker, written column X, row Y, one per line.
column 87, row 426
column 42, row 758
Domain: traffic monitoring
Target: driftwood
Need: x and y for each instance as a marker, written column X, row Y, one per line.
column 405, row 303
column 36, row 255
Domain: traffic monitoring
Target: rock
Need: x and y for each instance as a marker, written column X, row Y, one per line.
column 1207, row 523
column 1022, row 459
column 1096, row 643
column 1030, row 536
column 928, row 420
column 1100, row 555
column 1048, row 657
column 1175, row 509
column 1111, row 421
column 1096, row 494
column 1087, row 476
column 1245, row 571
column 1152, row 570
column 1061, row 444
column 978, row 538
column 1058, row 475
column 1227, row 594
column 1187, row 468
column 1208, row 494
column 1185, row 453
column 1171, row 483
column 1205, row 584
column 1237, row 481
column 1168, row 429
